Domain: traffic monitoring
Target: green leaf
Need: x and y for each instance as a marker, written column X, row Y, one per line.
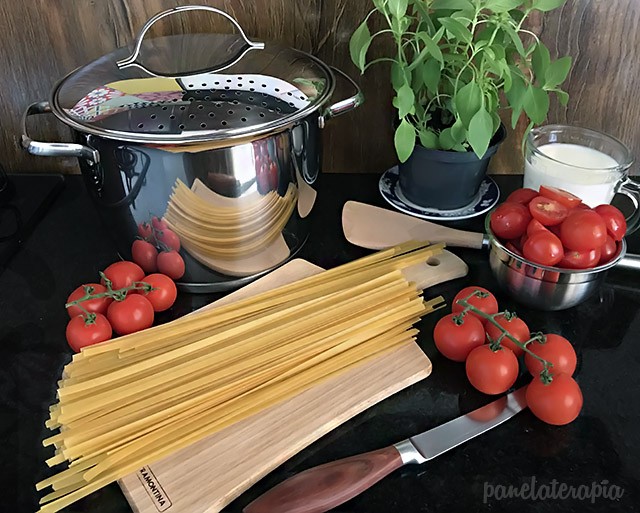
column 563, row 97
column 502, row 5
column 431, row 46
column 557, row 72
column 454, row 5
column 515, row 116
column 468, row 100
column 547, row 5
column 458, row 132
column 515, row 94
column 446, row 139
column 540, row 61
column 480, row 132
column 428, row 139
column 404, row 100
column 359, row 45
column 398, row 7
column 515, row 38
column 456, row 29
column 405, row 140
column 398, row 76
column 496, row 121
column 536, row 104
column 431, row 75
column 380, row 5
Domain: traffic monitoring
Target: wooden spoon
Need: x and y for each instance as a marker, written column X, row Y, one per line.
column 378, row 228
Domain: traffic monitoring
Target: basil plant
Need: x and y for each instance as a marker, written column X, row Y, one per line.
column 457, row 63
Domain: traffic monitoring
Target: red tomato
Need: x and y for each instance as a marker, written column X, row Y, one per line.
column 510, row 220
column 513, row 248
column 557, row 403
column 158, row 223
column 123, row 274
column 583, row 206
column 523, row 239
column 543, row 248
column 561, row 196
column 169, row 238
column 133, row 314
column 556, row 350
column 549, row 212
column 91, row 305
column 488, row 305
column 583, row 230
column 492, row 372
column 145, row 231
column 145, row 255
column 522, row 196
column 171, row 264
column 580, row 259
column 614, row 220
column 535, row 226
column 456, row 340
column 608, row 250
column 81, row 334
column 165, row 293
column 516, row 327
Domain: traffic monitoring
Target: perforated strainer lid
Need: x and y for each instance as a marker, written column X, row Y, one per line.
column 192, row 88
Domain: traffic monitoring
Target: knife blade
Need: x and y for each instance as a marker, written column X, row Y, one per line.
column 325, row 487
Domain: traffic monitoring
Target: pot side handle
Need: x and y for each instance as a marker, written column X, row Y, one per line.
column 53, row 149
column 343, row 106
column 631, row 190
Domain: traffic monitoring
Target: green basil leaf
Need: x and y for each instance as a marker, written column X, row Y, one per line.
column 431, row 73
column 454, row 5
column 515, row 116
column 398, row 76
column 540, row 60
column 431, row 46
column 515, row 38
column 536, row 104
column 379, row 4
column 547, row 5
column 405, row 140
column 398, row 7
column 359, row 45
column 557, row 72
column 458, row 132
column 480, row 132
column 456, row 29
column 428, row 139
column 468, row 100
column 502, row 5
column 563, row 97
column 446, row 139
column 404, row 100
column 496, row 121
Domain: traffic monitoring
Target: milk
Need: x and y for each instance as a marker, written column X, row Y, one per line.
column 589, row 174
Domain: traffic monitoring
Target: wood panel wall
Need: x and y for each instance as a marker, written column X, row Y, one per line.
column 42, row 40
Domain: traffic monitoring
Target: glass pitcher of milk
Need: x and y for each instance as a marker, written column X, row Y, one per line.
column 592, row 165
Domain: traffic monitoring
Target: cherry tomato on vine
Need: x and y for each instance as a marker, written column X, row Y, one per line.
column 81, row 333
column 614, row 220
column 133, row 314
column 123, row 274
column 549, row 212
column 171, row 264
column 556, row 350
column 580, row 259
column 583, row 230
column 560, row 195
column 543, row 248
column 510, row 220
column 165, row 293
column 145, row 255
column 557, row 403
column 145, row 231
column 455, row 337
column 608, row 250
column 158, row 223
column 488, row 304
column 169, row 238
column 492, row 372
column 99, row 305
column 515, row 326
column 522, row 196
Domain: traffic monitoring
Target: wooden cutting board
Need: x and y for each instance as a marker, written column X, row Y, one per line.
column 208, row 475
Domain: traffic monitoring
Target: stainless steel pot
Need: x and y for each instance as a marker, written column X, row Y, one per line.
column 216, row 134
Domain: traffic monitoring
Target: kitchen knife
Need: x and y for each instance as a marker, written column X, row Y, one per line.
column 322, row 488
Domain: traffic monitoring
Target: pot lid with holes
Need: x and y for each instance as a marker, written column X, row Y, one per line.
column 192, row 88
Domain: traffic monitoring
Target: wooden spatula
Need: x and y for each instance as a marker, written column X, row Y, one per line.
column 378, row 228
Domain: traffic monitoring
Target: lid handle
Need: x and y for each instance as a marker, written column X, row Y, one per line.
column 132, row 59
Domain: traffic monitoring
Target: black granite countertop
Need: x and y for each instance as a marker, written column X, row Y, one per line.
column 600, row 449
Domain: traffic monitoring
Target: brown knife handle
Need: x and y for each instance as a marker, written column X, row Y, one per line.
column 322, row 488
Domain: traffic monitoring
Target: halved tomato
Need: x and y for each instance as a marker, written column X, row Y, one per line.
column 535, row 226
column 560, row 195
column 522, row 196
column 548, row 211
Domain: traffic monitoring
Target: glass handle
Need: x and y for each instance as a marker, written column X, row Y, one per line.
column 631, row 190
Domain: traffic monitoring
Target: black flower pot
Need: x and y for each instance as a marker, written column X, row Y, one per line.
column 445, row 180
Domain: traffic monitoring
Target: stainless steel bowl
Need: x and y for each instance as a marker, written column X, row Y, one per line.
column 542, row 287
